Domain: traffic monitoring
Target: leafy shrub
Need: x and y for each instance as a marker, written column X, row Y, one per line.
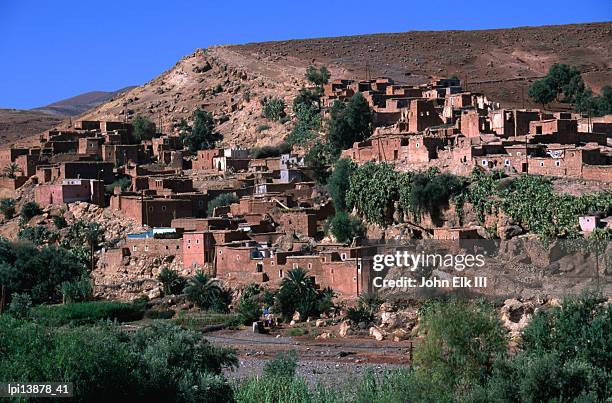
column 274, row 109
column 59, row 221
column 224, row 199
column 273, row 389
column 39, row 272
column 142, row 128
column 20, row 306
column 206, row 293
column 262, row 128
column 339, row 182
column 87, row 312
column 38, row 235
column 249, row 309
column 172, row 282
column 283, row 365
column 156, row 363
column 30, row 210
column 349, row 123
column 298, row 293
column 78, row 290
column 270, row 151
column 125, row 182
column 157, row 314
column 345, row 227
column 296, row 331
column 7, row 208
column 365, row 310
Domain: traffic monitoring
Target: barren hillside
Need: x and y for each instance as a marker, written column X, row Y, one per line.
column 232, row 80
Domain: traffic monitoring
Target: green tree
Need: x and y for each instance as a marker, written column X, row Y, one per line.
column 203, row 135
column 319, row 76
column 319, row 158
column 224, row 199
column 274, row 109
column 142, row 128
column 30, row 210
column 461, row 342
column 172, row 282
column 298, row 292
column 345, row 227
column 7, row 208
column 541, row 92
column 349, row 122
column 11, row 170
column 338, row 182
column 206, row 293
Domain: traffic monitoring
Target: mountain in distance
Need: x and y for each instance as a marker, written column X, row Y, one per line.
column 80, row 104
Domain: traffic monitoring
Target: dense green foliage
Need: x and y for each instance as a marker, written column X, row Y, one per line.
column 202, row 135
column 274, row 109
column 77, row 290
column 318, row 76
column 156, row 363
column 270, row 151
column 566, row 80
column 349, row 122
column 250, row 304
column 298, row 292
column 30, row 210
column 38, row 272
column 224, row 199
column 338, row 182
column 38, row 235
column 345, row 227
column 172, row 282
column 319, row 158
column 81, row 313
column 206, row 293
column 142, row 128
column 373, row 189
column 7, row 208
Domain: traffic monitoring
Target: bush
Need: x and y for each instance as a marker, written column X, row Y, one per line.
column 249, row 309
column 30, row 210
column 222, row 200
column 262, row 128
column 142, row 128
column 78, row 290
column 59, row 221
column 155, row 314
column 156, row 363
column 172, row 282
column 298, row 293
column 124, row 183
column 273, row 390
column 203, row 135
column 39, row 272
column 349, row 123
column 345, row 228
column 365, row 310
column 38, row 235
column 283, row 365
column 206, row 293
column 20, row 306
column 7, row 208
column 338, row 182
column 81, row 313
column 270, row 151
column 274, row 109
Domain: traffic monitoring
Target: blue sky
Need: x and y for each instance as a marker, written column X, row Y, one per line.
column 50, row 50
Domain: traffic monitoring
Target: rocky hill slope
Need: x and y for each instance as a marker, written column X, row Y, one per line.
column 231, row 81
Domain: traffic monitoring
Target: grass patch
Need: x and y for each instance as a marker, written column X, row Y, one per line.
column 154, row 314
column 296, row 331
column 86, row 313
column 199, row 321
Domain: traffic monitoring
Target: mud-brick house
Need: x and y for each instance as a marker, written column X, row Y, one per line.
column 70, row 191
column 87, row 170
column 152, row 211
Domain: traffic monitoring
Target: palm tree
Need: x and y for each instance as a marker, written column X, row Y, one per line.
column 11, row 170
column 204, row 291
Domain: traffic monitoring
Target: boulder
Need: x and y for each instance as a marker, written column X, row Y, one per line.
column 377, row 333
column 345, row 328
column 319, row 322
column 296, row 316
column 324, row 336
column 154, row 293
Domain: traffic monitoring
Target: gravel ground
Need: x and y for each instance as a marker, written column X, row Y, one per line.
column 330, row 362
